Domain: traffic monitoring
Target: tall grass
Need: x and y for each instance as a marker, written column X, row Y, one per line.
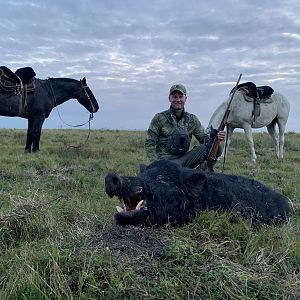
column 58, row 239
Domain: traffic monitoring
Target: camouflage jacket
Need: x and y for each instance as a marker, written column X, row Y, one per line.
column 161, row 128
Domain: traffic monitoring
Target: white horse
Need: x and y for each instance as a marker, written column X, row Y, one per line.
column 240, row 116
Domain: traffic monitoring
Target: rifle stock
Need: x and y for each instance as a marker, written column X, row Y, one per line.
column 216, row 142
column 213, row 142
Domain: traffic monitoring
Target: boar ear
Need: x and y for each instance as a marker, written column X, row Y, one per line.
column 195, row 182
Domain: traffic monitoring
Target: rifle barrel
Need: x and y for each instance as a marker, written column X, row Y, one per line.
column 213, row 149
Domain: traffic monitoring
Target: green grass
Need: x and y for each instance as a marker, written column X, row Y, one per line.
column 58, row 239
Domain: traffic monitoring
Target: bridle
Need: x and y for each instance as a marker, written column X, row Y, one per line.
column 84, row 87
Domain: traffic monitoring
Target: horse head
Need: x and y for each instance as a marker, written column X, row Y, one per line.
column 86, row 98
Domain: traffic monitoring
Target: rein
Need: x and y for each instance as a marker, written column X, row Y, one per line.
column 77, row 125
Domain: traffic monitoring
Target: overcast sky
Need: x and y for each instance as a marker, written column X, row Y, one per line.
column 132, row 51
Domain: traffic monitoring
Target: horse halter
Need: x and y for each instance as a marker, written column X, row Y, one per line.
column 87, row 95
column 85, row 87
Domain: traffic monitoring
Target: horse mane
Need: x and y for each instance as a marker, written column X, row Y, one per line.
column 62, row 78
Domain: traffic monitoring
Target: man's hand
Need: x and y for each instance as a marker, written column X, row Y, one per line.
column 221, row 135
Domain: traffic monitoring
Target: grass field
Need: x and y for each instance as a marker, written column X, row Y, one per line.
column 58, row 239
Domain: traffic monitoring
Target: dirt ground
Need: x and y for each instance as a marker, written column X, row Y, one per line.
column 134, row 241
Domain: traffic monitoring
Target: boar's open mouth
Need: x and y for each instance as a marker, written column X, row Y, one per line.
column 128, row 191
column 132, row 202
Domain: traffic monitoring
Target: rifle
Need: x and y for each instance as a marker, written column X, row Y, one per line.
column 213, row 142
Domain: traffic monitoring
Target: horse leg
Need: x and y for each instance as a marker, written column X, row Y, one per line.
column 36, row 135
column 29, row 137
column 281, row 126
column 249, row 137
column 274, row 135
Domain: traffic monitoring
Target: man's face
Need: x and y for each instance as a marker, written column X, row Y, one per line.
column 177, row 100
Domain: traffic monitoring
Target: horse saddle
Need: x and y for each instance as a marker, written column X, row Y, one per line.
column 264, row 93
column 22, row 75
column 257, row 95
column 19, row 83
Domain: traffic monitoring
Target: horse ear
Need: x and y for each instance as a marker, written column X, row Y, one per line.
column 84, row 81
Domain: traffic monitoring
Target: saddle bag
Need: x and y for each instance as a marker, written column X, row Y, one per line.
column 179, row 141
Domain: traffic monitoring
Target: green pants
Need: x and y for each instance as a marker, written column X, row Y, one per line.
column 194, row 157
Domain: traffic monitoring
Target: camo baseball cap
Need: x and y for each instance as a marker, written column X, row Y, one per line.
column 178, row 87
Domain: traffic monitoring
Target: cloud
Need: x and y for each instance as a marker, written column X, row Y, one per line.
column 132, row 51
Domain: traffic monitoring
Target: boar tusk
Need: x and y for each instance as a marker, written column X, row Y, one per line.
column 119, row 209
column 139, row 205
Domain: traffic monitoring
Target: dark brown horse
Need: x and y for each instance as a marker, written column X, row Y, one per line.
column 37, row 102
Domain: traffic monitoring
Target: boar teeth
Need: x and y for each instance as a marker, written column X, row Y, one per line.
column 119, row 208
column 139, row 204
